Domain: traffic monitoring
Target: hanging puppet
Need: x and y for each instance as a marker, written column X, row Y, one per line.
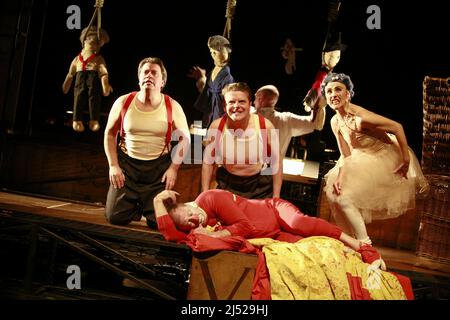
column 331, row 54
column 210, row 101
column 288, row 52
column 91, row 77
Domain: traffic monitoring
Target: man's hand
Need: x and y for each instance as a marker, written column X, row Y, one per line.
column 116, row 177
column 167, row 194
column 170, row 177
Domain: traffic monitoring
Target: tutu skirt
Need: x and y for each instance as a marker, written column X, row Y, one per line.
column 369, row 182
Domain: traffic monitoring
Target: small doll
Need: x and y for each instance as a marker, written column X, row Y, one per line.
column 89, row 70
column 210, row 101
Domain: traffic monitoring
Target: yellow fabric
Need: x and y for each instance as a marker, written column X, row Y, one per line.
column 315, row 268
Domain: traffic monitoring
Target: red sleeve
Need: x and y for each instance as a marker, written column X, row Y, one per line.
column 169, row 230
column 320, row 75
column 292, row 220
column 220, row 205
column 314, row 93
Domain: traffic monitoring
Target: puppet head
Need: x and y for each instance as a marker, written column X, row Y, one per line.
column 220, row 49
column 89, row 36
column 218, row 42
column 331, row 53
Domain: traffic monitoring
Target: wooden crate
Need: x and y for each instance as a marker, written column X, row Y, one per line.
column 434, row 234
column 226, row 275
column 434, row 239
column 437, row 202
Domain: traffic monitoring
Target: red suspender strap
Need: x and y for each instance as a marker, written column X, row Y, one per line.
column 218, row 138
column 124, row 110
column 85, row 62
column 266, row 145
column 169, row 122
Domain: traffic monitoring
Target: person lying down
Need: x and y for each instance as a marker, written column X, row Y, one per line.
column 299, row 257
column 219, row 213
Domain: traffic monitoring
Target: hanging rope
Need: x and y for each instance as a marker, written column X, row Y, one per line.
column 229, row 14
column 97, row 13
column 333, row 14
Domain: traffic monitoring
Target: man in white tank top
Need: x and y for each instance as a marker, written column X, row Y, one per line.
column 244, row 147
column 141, row 165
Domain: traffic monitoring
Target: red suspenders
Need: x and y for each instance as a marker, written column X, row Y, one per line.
column 126, row 105
column 266, row 146
column 125, row 109
column 169, row 122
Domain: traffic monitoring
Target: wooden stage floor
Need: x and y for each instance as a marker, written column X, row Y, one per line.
column 75, row 213
column 85, row 216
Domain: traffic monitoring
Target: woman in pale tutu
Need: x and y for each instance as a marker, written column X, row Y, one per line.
column 377, row 175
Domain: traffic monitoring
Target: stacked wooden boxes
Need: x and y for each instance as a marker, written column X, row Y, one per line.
column 434, row 232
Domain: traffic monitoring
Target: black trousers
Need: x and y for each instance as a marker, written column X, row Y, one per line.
column 252, row 187
column 87, row 94
column 142, row 184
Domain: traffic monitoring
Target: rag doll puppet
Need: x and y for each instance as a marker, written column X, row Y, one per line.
column 91, row 79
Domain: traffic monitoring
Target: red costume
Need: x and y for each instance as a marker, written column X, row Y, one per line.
column 255, row 218
column 252, row 218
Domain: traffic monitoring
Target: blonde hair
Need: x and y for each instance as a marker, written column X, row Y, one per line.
column 238, row 86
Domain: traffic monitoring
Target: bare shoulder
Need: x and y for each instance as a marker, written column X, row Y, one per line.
column 358, row 110
column 334, row 123
column 122, row 98
column 269, row 124
column 120, row 101
column 334, row 120
column 215, row 124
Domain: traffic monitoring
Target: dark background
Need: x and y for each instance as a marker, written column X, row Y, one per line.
column 387, row 66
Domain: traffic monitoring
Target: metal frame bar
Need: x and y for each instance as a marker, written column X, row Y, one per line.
column 39, row 225
column 108, row 265
column 137, row 265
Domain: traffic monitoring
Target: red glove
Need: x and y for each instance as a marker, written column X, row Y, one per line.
column 368, row 253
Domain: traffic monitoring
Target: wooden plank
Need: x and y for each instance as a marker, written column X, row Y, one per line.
column 408, row 260
column 78, row 217
column 64, row 210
